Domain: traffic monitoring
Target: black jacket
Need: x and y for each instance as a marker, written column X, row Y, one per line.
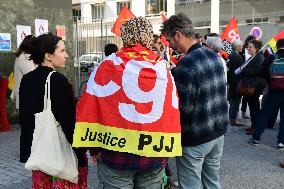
column 234, row 62
column 31, row 95
column 251, row 74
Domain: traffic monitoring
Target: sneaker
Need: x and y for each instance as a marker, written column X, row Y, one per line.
column 253, row 142
column 280, row 146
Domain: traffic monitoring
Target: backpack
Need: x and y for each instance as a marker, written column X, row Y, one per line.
column 276, row 71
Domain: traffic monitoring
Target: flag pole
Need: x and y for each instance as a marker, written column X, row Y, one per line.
column 245, row 64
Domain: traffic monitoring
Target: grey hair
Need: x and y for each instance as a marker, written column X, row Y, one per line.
column 236, row 43
column 179, row 22
column 214, row 43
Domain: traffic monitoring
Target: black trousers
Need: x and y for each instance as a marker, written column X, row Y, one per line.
column 254, row 107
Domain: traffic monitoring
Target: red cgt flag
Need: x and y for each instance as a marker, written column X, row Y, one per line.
column 230, row 33
column 163, row 38
column 124, row 15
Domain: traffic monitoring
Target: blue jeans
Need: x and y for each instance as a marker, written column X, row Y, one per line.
column 200, row 163
column 116, row 179
column 273, row 101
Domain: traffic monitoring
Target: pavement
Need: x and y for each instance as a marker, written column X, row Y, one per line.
column 243, row 166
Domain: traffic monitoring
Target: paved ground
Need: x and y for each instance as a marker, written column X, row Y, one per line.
column 243, row 166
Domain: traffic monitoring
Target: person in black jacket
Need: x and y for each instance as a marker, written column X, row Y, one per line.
column 234, row 62
column 273, row 102
column 250, row 76
column 48, row 52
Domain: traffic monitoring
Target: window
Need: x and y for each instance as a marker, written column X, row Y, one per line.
column 76, row 13
column 155, row 6
column 98, row 11
column 120, row 4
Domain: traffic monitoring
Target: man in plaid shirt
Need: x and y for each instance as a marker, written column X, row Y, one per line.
column 201, row 86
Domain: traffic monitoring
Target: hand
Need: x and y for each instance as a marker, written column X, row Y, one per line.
column 238, row 71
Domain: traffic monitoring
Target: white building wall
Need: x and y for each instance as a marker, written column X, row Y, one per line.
column 86, row 10
column 111, row 9
column 170, row 8
column 138, row 7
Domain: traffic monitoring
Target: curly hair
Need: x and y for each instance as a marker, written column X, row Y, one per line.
column 137, row 30
column 179, row 22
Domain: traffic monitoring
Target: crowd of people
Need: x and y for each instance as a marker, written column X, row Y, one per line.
column 201, row 76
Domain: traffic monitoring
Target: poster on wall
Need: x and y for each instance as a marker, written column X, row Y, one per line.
column 5, row 42
column 41, row 27
column 22, row 32
column 60, row 32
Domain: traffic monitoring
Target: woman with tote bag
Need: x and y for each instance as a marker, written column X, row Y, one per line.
column 49, row 53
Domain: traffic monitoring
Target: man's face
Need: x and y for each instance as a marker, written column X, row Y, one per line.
column 174, row 41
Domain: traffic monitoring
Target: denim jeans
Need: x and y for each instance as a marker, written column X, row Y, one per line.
column 116, row 179
column 273, row 101
column 234, row 108
column 200, row 164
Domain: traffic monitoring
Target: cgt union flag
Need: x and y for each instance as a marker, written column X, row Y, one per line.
column 130, row 105
column 230, row 33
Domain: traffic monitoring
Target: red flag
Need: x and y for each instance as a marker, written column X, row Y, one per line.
column 163, row 38
column 230, row 33
column 124, row 15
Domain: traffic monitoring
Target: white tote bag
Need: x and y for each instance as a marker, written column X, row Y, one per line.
column 50, row 152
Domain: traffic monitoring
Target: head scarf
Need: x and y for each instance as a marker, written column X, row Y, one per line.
column 137, row 30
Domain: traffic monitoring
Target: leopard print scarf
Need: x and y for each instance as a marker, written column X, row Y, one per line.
column 137, row 30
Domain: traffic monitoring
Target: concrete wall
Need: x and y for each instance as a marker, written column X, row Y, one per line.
column 23, row 12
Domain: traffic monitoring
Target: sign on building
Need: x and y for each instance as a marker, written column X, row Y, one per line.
column 5, row 42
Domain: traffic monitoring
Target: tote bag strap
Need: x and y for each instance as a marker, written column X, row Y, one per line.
column 46, row 100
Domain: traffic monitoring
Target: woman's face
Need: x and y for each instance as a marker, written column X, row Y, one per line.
column 59, row 57
column 251, row 49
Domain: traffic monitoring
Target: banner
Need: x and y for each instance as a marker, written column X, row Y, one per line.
column 5, row 42
column 272, row 42
column 130, row 105
column 41, row 27
column 60, row 32
column 230, row 33
column 22, row 32
column 124, row 15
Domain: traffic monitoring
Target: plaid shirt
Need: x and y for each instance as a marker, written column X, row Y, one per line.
column 126, row 161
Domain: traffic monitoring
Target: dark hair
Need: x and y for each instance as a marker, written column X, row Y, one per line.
column 197, row 36
column 280, row 43
column 211, row 35
column 248, row 39
column 156, row 37
column 110, row 48
column 179, row 22
column 256, row 43
column 45, row 43
column 25, row 46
